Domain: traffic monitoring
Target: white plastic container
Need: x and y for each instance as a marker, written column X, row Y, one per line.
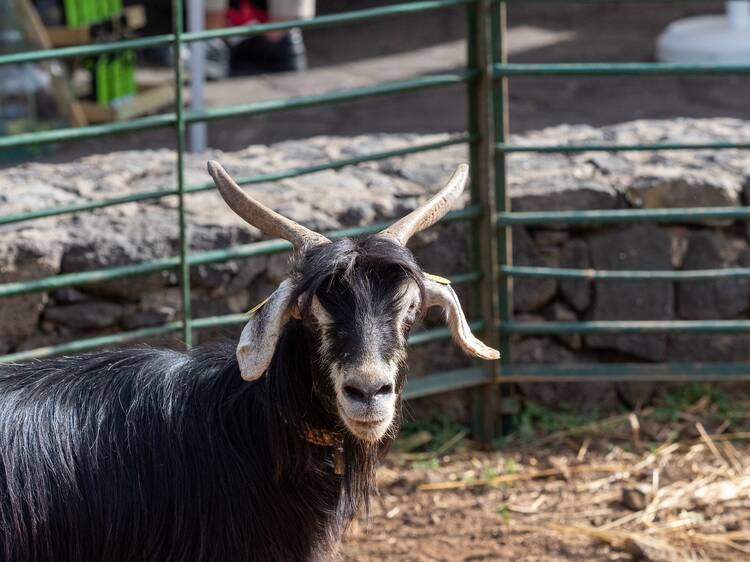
column 710, row 39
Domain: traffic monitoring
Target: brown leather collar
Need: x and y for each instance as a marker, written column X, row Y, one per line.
column 326, row 438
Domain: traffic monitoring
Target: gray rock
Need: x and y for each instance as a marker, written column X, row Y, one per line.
column 635, row 394
column 562, row 313
column 445, row 249
column 551, row 237
column 167, row 301
column 359, row 213
column 87, row 315
column 540, row 350
column 638, row 247
column 299, row 151
column 44, row 339
column 213, row 275
column 609, row 164
column 375, row 179
column 218, row 276
column 554, row 192
column 721, row 298
column 313, row 217
column 146, row 318
column 102, row 241
column 25, row 255
column 577, row 397
column 709, row 347
column 247, row 276
column 529, row 293
column 575, row 255
column 403, row 206
column 36, row 192
column 68, row 295
column 673, row 186
column 427, row 171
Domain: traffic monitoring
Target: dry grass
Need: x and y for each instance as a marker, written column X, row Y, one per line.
column 631, row 487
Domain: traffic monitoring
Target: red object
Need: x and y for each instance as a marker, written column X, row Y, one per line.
column 246, row 14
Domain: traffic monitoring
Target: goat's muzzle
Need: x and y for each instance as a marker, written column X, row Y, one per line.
column 367, row 402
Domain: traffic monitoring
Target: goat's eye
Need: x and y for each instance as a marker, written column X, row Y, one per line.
column 411, row 316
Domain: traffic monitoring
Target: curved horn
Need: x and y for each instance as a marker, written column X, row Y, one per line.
column 260, row 216
column 431, row 211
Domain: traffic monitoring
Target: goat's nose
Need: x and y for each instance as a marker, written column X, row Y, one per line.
column 366, row 393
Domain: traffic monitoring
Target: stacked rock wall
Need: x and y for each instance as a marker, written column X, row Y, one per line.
column 354, row 196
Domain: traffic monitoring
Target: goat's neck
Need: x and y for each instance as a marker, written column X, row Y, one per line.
column 295, row 389
column 294, row 403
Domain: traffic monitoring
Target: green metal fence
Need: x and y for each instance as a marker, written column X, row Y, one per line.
column 485, row 78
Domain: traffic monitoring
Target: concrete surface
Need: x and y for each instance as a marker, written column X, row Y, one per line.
column 411, row 45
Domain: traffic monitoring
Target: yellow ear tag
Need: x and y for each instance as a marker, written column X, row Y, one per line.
column 438, row 279
column 258, row 306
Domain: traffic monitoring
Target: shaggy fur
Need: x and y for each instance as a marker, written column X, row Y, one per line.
column 156, row 455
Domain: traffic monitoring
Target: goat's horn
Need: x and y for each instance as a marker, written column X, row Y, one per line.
column 432, row 211
column 260, row 216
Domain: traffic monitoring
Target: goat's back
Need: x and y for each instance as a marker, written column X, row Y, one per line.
column 135, row 455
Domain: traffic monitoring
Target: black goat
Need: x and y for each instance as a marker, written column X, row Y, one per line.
column 157, row 455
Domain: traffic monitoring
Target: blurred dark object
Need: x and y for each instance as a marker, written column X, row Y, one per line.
column 52, row 12
column 218, row 59
column 238, row 56
column 158, row 15
column 244, row 12
column 261, row 54
column 258, row 55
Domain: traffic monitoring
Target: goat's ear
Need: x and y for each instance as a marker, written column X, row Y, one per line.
column 440, row 293
column 259, row 337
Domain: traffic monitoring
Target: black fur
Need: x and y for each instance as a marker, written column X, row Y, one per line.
column 157, row 455
column 361, row 292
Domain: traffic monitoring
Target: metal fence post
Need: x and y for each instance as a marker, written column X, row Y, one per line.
column 504, row 247
column 178, row 25
column 198, row 132
column 482, row 163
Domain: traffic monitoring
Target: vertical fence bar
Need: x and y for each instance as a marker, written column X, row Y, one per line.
column 504, row 248
column 178, row 24
column 197, row 132
column 478, row 401
column 481, row 157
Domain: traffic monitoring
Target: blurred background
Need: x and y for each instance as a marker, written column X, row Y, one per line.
column 389, row 49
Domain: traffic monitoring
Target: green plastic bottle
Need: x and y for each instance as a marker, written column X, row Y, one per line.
column 102, row 82
column 86, row 15
column 115, row 8
column 115, row 77
column 72, row 17
column 130, row 87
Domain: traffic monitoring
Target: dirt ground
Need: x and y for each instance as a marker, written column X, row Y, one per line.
column 634, row 487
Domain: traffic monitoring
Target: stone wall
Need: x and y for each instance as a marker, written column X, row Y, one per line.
column 376, row 191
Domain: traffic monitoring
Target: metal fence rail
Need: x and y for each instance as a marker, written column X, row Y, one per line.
column 486, row 77
column 502, row 71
